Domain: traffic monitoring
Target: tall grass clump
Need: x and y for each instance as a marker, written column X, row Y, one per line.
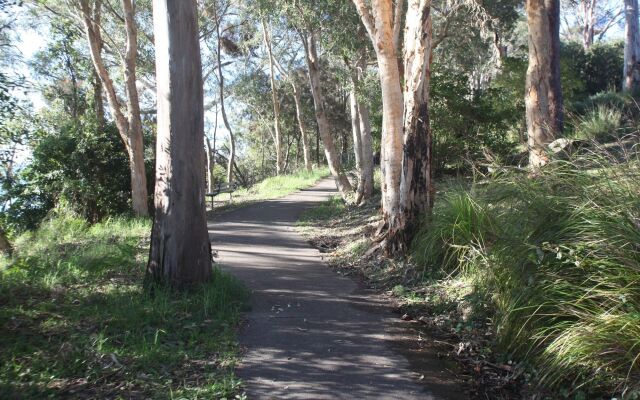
column 558, row 256
column 600, row 123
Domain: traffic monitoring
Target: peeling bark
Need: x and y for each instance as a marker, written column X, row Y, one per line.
column 406, row 140
column 416, row 186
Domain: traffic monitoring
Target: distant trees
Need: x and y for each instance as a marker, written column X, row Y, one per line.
column 180, row 254
column 309, row 41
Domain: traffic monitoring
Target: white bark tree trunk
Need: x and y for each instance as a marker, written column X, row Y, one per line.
column 223, row 111
column 631, row 81
column 274, row 99
column 379, row 23
column 416, row 186
column 540, row 121
column 367, row 152
column 357, row 137
column 129, row 126
column 406, row 141
column 333, row 159
column 303, row 130
column 180, row 255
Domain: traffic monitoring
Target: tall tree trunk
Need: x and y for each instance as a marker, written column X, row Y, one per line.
column 232, row 140
column 365, row 186
column 556, row 101
column 631, row 81
column 5, row 245
column 324, row 128
column 379, row 23
column 136, row 143
column 98, row 103
column 416, row 186
column 274, row 99
column 303, row 131
column 129, row 126
column 357, row 135
column 180, row 255
column 540, row 123
column 367, row 151
column 588, row 8
column 209, row 158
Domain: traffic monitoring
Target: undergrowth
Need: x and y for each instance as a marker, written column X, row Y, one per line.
column 557, row 258
column 77, row 323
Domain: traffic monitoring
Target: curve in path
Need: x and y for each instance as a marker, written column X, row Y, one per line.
column 312, row 334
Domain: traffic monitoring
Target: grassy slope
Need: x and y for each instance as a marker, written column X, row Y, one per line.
column 76, row 322
column 271, row 188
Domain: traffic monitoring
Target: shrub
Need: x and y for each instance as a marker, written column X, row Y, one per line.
column 558, row 256
column 601, row 123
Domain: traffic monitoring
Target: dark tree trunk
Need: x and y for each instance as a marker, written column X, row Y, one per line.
column 180, row 255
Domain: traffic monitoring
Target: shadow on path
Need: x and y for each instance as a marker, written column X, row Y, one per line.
column 312, row 334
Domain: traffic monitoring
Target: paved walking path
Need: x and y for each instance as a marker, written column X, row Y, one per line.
column 312, row 334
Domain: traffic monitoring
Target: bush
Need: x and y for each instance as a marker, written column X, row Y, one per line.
column 601, row 123
column 598, row 70
column 558, row 257
column 466, row 123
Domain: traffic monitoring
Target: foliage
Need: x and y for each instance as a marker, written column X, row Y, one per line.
column 74, row 162
column 466, row 123
column 78, row 323
column 556, row 255
column 597, row 70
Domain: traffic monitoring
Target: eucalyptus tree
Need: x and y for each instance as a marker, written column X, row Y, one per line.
column 218, row 12
column 105, row 38
column 543, row 94
column 308, row 19
column 356, row 55
column 180, row 254
column 126, row 113
column 587, row 21
column 406, row 143
column 631, row 76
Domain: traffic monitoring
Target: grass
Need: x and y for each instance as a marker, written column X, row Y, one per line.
column 77, row 323
column 274, row 187
column 557, row 259
column 600, row 123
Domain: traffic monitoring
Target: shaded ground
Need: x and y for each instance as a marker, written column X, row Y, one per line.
column 312, row 333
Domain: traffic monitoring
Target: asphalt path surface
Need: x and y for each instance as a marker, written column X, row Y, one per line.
column 311, row 333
